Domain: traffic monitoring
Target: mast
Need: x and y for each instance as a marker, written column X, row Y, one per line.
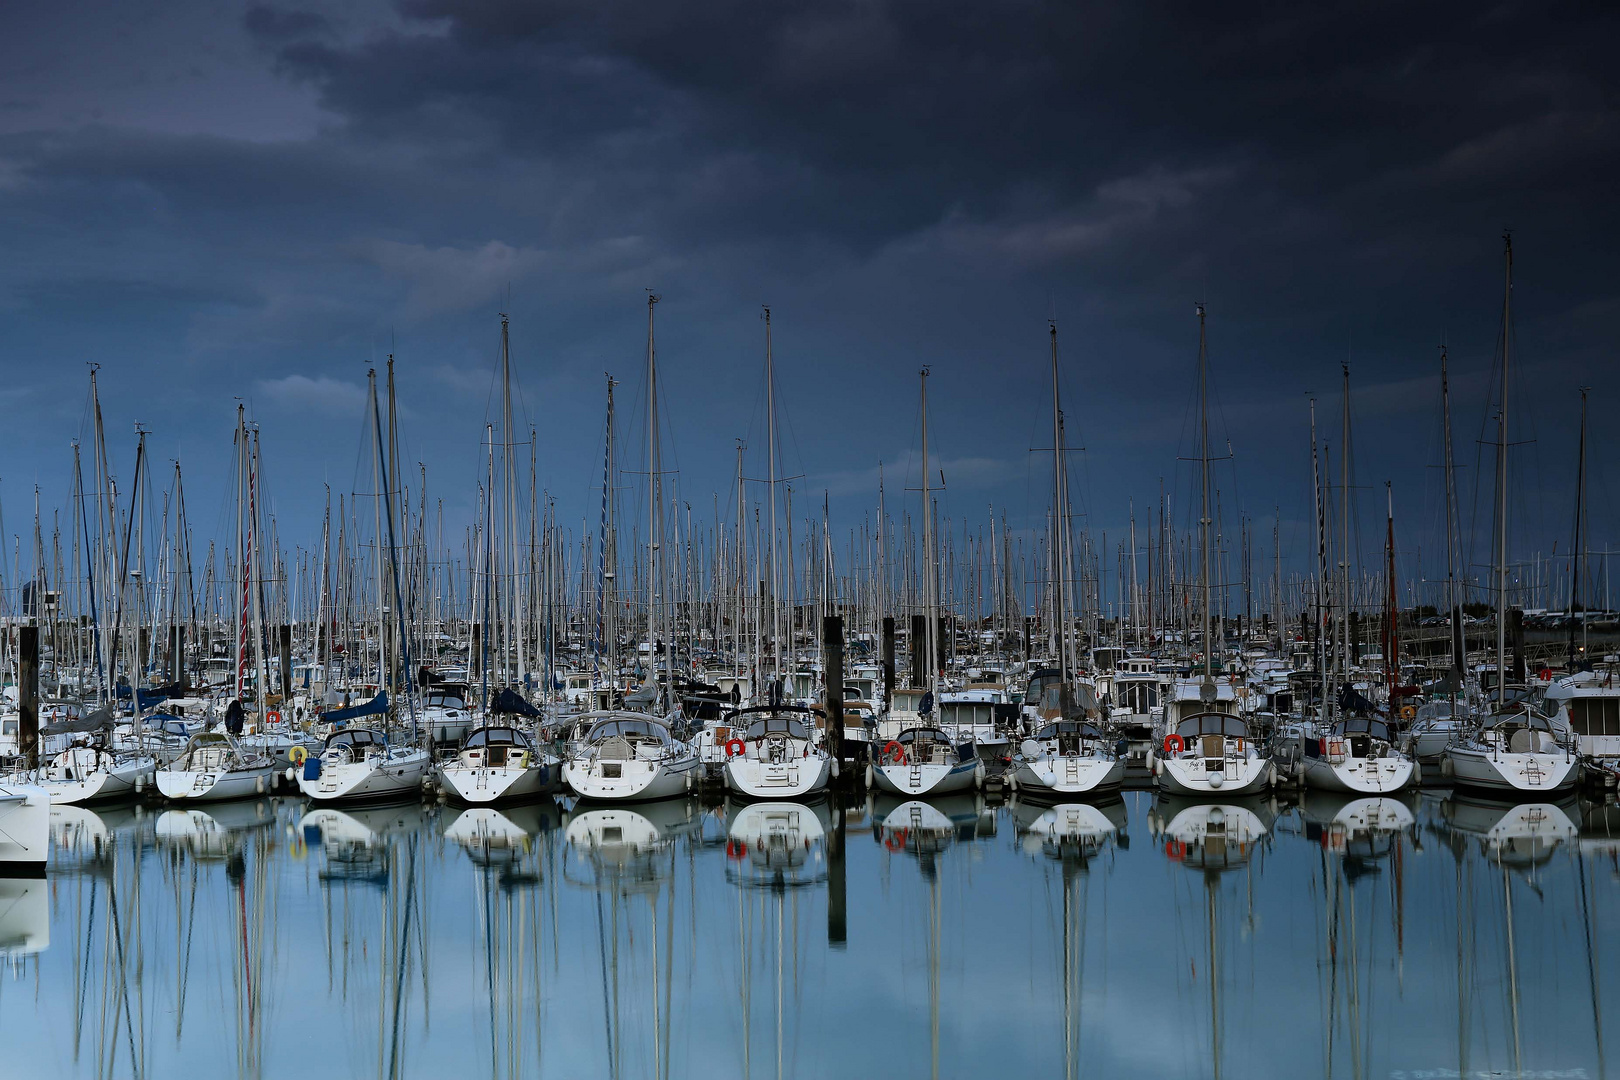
column 1393, row 607
column 770, row 438
column 1501, row 470
column 930, row 617
column 655, row 508
column 1453, row 604
column 1579, row 551
column 399, row 596
column 1060, row 519
column 1205, row 520
column 1344, row 529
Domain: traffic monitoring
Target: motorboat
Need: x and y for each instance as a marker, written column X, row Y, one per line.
column 498, row 763
column 445, row 714
column 214, row 767
column 773, row 753
column 1067, row 758
column 626, row 755
column 923, row 761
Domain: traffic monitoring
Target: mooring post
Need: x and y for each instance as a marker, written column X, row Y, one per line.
column 918, row 645
column 832, row 666
column 888, row 660
column 28, row 694
column 286, row 663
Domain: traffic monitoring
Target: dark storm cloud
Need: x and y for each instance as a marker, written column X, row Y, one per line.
column 905, row 181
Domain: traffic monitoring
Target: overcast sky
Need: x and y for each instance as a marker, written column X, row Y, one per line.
column 217, row 201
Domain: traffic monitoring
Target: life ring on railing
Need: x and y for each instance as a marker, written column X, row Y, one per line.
column 1175, row 849
column 272, row 717
column 297, row 755
column 1408, row 712
column 1173, row 744
column 895, row 751
column 742, row 748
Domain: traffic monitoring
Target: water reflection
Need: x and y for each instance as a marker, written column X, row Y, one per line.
column 1326, row 936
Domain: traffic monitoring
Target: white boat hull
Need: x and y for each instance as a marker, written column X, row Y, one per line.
column 796, row 778
column 120, row 781
column 1512, row 774
column 398, row 776
column 910, row 780
column 480, row 786
column 1359, row 776
column 637, row 779
column 186, row 785
column 1069, row 775
column 1191, row 777
column 25, row 828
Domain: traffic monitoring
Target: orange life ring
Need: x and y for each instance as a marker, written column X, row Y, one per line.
column 1175, row 849
column 272, row 717
column 894, row 750
column 1173, row 744
column 742, row 748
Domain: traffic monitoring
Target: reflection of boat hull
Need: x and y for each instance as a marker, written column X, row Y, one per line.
column 25, row 917
column 213, row 786
column 1523, row 833
column 1512, row 774
column 25, row 829
column 212, row 834
column 1209, row 835
column 1073, row 831
column 777, row 844
column 487, row 831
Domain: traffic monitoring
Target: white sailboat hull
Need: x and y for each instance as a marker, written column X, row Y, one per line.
column 118, row 781
column 480, row 786
column 1359, row 776
column 637, row 779
column 909, row 780
column 1512, row 774
column 1073, row 774
column 396, row 776
column 796, row 778
column 25, row 828
column 1191, row 777
column 198, row 785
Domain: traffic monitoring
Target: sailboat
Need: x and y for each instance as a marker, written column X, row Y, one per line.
column 630, row 756
column 498, row 763
column 214, row 767
column 1515, row 749
column 922, row 759
column 1208, row 748
column 1069, row 755
column 93, row 772
column 773, row 753
column 363, row 763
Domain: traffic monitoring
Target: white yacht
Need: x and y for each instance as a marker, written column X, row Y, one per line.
column 360, row 763
column 445, row 715
column 1435, row 726
column 214, row 767
column 495, row 764
column 1210, row 754
column 773, row 753
column 980, row 712
column 25, row 828
column 626, row 755
column 1067, row 757
column 1517, row 750
column 923, row 761
column 91, row 773
column 1357, row 755
column 1588, row 703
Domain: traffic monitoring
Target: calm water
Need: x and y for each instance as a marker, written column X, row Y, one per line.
column 1390, row 938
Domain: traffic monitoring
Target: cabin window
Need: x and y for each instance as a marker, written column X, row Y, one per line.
column 1595, row 715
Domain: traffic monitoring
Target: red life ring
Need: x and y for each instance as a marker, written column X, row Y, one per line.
column 1175, row 849
column 896, row 840
column 742, row 748
column 1173, row 744
column 272, row 717
column 895, row 751
column 736, row 849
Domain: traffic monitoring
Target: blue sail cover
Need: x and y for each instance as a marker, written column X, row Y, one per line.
column 507, row 700
column 375, row 707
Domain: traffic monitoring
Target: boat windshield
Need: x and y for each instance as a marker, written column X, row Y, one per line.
column 1212, row 724
column 921, row 734
column 447, row 697
column 791, row 726
column 1366, row 725
column 1068, row 727
column 497, row 736
column 359, row 739
column 628, row 729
